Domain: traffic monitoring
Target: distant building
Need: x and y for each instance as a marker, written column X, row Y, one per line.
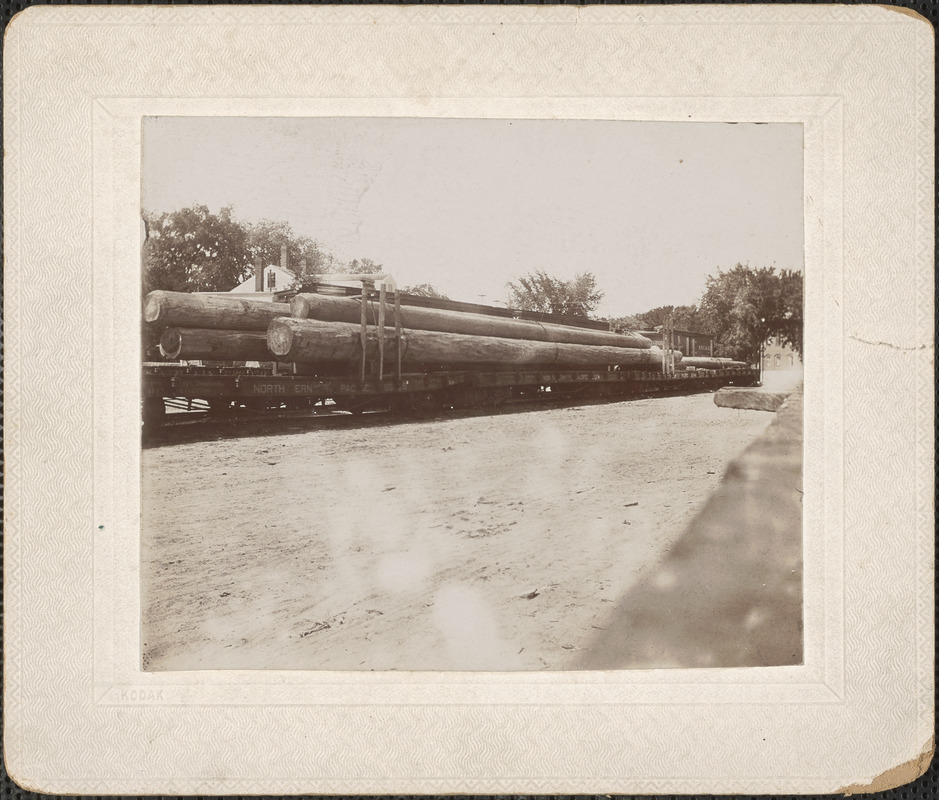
column 777, row 356
column 694, row 344
column 686, row 342
column 274, row 279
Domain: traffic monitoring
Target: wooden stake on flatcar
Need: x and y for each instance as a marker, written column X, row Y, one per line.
column 381, row 331
column 364, row 321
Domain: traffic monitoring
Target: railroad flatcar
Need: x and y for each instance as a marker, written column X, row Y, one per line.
column 402, row 353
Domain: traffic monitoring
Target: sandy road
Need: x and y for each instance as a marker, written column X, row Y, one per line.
column 470, row 544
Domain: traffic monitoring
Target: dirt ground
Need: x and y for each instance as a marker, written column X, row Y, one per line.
column 479, row 543
column 729, row 593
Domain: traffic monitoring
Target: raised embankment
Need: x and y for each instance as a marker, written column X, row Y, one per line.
column 729, row 593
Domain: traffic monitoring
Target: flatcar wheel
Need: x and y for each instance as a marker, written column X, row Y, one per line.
column 400, row 405
column 352, row 405
column 355, row 404
column 456, row 398
column 219, row 406
column 497, row 396
column 473, row 397
column 153, row 412
column 428, row 402
column 478, row 398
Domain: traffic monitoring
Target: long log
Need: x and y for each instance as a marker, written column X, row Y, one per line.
column 345, row 309
column 313, row 341
column 182, row 310
column 196, row 344
column 706, row 362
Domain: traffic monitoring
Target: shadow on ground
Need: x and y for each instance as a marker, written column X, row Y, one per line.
column 729, row 593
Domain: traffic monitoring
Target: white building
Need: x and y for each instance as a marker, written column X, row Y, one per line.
column 777, row 356
column 275, row 279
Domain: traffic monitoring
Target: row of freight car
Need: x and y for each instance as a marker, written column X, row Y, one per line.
column 366, row 352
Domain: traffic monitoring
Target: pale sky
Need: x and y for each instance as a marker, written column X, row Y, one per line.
column 650, row 208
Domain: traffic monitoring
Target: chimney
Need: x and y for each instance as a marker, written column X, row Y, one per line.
column 283, row 256
column 258, row 275
column 303, row 267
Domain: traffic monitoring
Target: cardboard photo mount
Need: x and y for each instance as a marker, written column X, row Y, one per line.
column 81, row 717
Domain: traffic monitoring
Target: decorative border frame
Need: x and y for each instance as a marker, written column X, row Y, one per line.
column 92, row 722
column 118, row 677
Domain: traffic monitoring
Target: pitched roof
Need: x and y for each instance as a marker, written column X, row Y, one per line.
column 282, row 280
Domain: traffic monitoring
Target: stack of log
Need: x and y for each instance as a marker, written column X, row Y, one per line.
column 327, row 330
column 206, row 327
column 697, row 362
column 348, row 309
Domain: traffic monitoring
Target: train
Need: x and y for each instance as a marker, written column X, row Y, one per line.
column 334, row 347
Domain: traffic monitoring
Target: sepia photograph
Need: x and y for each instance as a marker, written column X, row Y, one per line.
column 470, row 394
column 468, row 400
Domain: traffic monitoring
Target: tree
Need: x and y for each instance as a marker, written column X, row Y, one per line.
column 791, row 324
column 364, row 267
column 628, row 323
column 193, row 250
column 746, row 306
column 424, row 290
column 332, row 265
column 265, row 239
column 684, row 318
column 538, row 291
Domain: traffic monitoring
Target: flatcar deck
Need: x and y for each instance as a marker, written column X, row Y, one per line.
column 225, row 388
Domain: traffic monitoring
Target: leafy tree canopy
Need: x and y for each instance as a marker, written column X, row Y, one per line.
column 193, row 250
column 424, row 290
column 265, row 239
column 628, row 323
column 745, row 306
column 684, row 318
column 538, row 291
column 364, row 266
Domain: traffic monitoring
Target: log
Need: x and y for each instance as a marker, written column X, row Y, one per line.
column 707, row 362
column 197, row 344
column 347, row 309
column 314, row 341
column 228, row 312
